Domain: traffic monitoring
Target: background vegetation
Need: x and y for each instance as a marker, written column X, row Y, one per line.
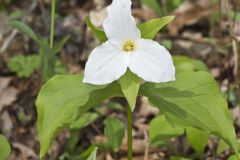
column 203, row 36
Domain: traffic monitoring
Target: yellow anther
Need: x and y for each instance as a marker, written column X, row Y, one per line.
column 128, row 46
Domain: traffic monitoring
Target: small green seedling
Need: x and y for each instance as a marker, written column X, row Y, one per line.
column 45, row 60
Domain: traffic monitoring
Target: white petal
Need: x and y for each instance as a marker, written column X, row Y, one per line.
column 120, row 25
column 152, row 62
column 105, row 64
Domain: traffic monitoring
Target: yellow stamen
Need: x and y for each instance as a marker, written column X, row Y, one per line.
column 129, row 46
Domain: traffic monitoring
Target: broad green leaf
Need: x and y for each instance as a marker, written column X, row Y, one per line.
column 150, row 28
column 183, row 63
column 114, row 131
column 58, row 47
column 197, row 138
column 193, row 100
column 160, row 129
column 234, row 157
column 101, row 36
column 89, row 154
column 62, row 100
column 130, row 83
column 25, row 29
column 24, row 66
column 5, row 148
column 154, row 5
column 84, row 120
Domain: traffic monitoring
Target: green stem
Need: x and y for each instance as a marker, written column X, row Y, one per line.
column 129, row 118
column 52, row 23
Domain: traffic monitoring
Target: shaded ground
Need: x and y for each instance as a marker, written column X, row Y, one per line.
column 196, row 32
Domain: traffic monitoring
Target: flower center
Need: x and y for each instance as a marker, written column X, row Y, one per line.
column 129, row 46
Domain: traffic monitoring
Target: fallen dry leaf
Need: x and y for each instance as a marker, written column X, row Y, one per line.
column 7, row 124
column 25, row 152
column 8, row 94
column 189, row 13
column 146, row 109
column 4, row 28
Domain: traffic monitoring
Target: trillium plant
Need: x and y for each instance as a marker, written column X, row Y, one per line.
column 129, row 64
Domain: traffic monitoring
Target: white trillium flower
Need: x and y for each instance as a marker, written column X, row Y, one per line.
column 126, row 49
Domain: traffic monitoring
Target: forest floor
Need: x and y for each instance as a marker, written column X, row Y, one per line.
column 199, row 31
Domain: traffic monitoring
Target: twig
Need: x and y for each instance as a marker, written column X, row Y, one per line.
column 235, row 12
column 220, row 17
column 146, row 141
column 236, row 52
column 236, row 48
column 8, row 41
column 96, row 128
column 15, row 31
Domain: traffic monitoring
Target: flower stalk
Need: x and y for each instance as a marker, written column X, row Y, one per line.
column 130, row 124
column 52, row 23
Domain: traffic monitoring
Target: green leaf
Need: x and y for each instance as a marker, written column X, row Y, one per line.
column 167, row 43
column 115, row 106
column 47, row 60
column 62, row 100
column 222, row 146
column 59, row 67
column 93, row 156
column 58, row 47
column 89, row 154
column 130, row 83
column 101, row 36
column 197, row 138
column 160, row 129
column 84, row 120
column 178, row 158
column 234, row 157
column 16, row 15
column 193, row 100
column 171, row 5
column 24, row 66
column 183, row 63
column 150, row 28
column 154, row 5
column 25, row 29
column 5, row 148
column 114, row 131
